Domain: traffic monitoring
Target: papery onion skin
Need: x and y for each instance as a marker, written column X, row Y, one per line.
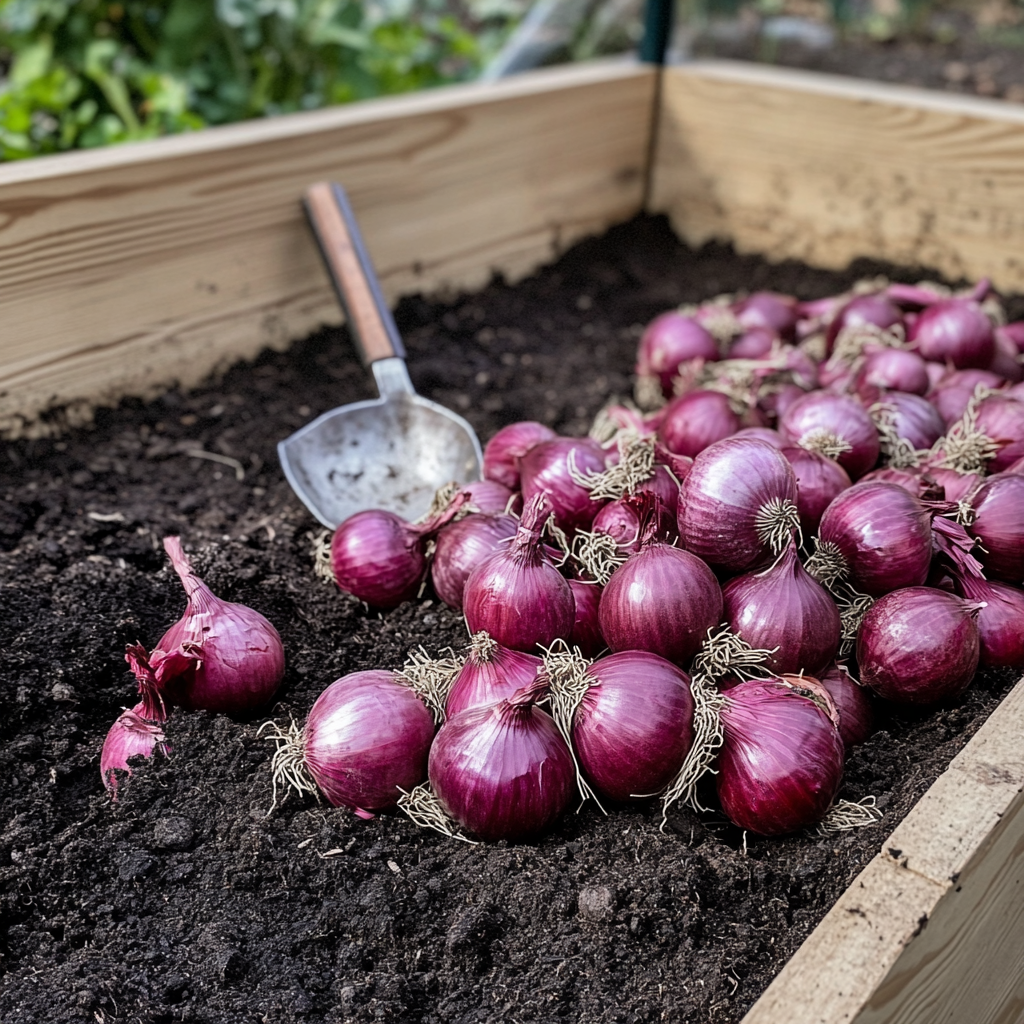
column 634, row 726
column 489, row 496
column 502, row 771
column 918, row 645
column 955, row 331
column 490, row 673
column 586, row 630
column 826, row 412
column 781, row 763
column 132, row 735
column 462, row 546
column 545, row 470
column 668, row 341
column 731, row 482
column 785, row 609
column 695, row 420
column 853, row 703
column 819, row 480
column 884, row 535
column 367, row 736
column 503, row 452
column 999, row 525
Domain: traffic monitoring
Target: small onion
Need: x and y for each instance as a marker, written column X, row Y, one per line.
column 823, row 415
column 819, row 479
column 462, row 546
column 785, row 610
column 1002, row 420
column 490, row 673
column 875, row 310
column 912, row 480
column 1015, row 333
column 547, row 468
column 508, row 446
column 781, row 761
column 955, row 485
column 755, row 343
column 586, row 630
column 853, row 705
column 999, row 524
column 954, row 391
column 768, row 310
column 132, row 735
column 489, row 496
column 909, row 418
column 669, row 340
column 918, row 645
column 894, row 369
column 955, row 331
column 695, row 420
column 502, row 771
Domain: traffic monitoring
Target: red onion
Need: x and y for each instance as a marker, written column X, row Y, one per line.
column 998, row 523
column 874, row 310
column 894, row 369
column 906, row 425
column 781, row 761
column 489, row 496
column 380, row 558
column 766, row 434
column 668, row 341
column 132, row 735
column 1014, row 332
column 853, row 705
column 490, row 673
column 367, row 736
column 827, row 422
column 502, row 771
column 875, row 535
column 738, row 504
column 955, row 331
column 918, row 645
column 219, row 656
column 768, row 310
column 819, row 480
column 517, row 595
column 954, row 391
column 553, row 468
column 508, row 446
column 911, row 479
column 784, row 610
column 955, row 485
column 628, row 717
column 661, row 600
column 695, row 420
column 462, row 546
column 586, row 630
column 755, row 343
column 1006, row 360
column 1002, row 421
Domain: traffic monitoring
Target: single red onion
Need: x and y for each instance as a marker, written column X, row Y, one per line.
column 669, row 340
column 955, row 485
column 954, row 331
column 462, row 546
column 219, row 656
column 1006, row 360
column 853, row 704
column 695, row 420
column 872, row 310
column 502, row 771
column 781, row 762
column 821, row 420
column 552, row 468
column 490, row 496
column 918, row 645
column 766, row 434
column 894, row 369
column 937, row 371
column 906, row 424
column 132, row 735
column 1002, row 421
column 998, row 523
column 380, row 558
column 768, row 310
column 661, row 600
column 738, row 504
column 1014, row 332
column 508, row 446
column 489, row 674
column 754, row 343
column 784, row 610
column 517, row 595
column 586, row 630
column 954, row 391
column 910, row 479
column 628, row 717
column 877, row 536
column 819, row 479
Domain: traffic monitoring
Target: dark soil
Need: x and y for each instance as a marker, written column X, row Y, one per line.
column 184, row 901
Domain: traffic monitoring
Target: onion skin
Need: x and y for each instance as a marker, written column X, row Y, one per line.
column 819, row 481
column 508, row 446
column 825, row 411
column 769, row 311
column 661, row 600
column 954, row 390
column 884, row 535
column 785, row 608
column 488, row 496
column 775, row 404
column 695, row 420
column 502, row 771
column 545, row 470
column 1005, row 361
column 918, row 645
column 853, row 703
column 914, row 418
column 1000, row 622
column 668, row 341
column 586, row 630
column 910, row 480
column 132, row 735
column 366, row 737
column 720, row 499
column 955, row 331
column 781, row 763
column 999, row 525
column 634, row 726
column 955, row 486
column 766, row 434
column 490, row 673
column 754, row 344
column 1002, row 419
column 462, row 546
column 894, row 369
column 877, row 310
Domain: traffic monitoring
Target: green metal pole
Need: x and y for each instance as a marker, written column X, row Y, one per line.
column 657, row 29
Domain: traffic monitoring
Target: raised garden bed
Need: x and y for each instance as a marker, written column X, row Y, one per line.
column 184, row 901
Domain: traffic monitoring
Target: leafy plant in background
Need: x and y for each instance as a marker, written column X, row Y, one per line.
column 83, row 73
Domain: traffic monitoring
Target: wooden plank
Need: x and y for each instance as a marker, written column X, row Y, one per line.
column 815, row 167
column 932, row 931
column 124, row 270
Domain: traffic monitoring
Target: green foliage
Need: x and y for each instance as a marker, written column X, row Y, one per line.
column 82, row 73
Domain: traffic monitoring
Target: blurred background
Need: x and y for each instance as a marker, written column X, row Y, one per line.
column 86, row 73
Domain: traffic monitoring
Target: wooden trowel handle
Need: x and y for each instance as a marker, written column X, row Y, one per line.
column 351, row 272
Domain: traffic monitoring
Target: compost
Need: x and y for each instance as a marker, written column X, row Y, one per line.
column 186, row 899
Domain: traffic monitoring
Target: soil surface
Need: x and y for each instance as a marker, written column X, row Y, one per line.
column 183, row 900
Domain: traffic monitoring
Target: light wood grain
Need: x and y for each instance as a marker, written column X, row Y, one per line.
column 124, row 270
column 814, row 167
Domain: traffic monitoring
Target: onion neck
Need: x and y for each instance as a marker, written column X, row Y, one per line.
column 183, row 567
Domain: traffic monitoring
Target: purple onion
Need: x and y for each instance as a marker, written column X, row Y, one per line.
column 508, row 446
column 911, row 480
column 1000, row 620
column 821, row 416
column 918, row 645
column 954, row 391
column 781, row 761
column 955, row 485
column 668, row 341
column 785, row 609
column 586, row 630
column 489, row 496
column 768, row 310
column 695, row 420
column 853, row 705
column 489, row 674
column 754, row 343
column 132, row 735
column 1006, row 360
column 999, row 524
column 547, row 469
column 875, row 310
column 776, row 403
column 1002, row 420
column 1014, row 332
column 819, row 480
column 462, row 546
column 911, row 418
column 894, row 369
column 954, row 331
column 766, row 434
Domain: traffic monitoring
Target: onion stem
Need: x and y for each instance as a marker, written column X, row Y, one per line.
column 423, row 808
